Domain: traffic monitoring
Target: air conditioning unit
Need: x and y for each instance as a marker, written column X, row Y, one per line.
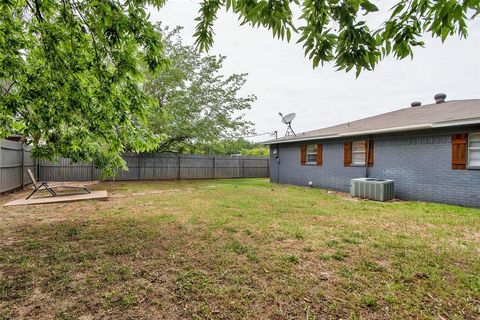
column 374, row 189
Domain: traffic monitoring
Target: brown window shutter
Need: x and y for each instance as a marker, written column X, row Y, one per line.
column 319, row 154
column 303, row 155
column 370, row 154
column 347, row 154
column 459, row 151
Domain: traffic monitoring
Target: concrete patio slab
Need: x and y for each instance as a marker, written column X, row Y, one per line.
column 94, row 195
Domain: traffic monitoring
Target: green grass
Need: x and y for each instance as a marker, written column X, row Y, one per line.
column 238, row 249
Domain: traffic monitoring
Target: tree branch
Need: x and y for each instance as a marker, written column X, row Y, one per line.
column 92, row 35
column 6, row 91
column 165, row 146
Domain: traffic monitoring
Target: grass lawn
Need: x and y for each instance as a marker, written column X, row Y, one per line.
column 236, row 249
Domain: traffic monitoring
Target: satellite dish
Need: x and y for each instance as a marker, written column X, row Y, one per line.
column 288, row 118
column 288, row 121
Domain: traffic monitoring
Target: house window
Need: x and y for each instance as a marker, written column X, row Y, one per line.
column 358, row 153
column 312, row 153
column 474, row 149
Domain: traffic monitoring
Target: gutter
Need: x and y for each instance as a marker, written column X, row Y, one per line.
column 352, row 134
column 441, row 124
column 298, row 139
column 387, row 130
column 451, row 123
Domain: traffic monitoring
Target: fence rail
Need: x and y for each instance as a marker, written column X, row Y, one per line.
column 15, row 159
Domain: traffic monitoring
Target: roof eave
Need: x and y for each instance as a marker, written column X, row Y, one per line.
column 453, row 123
column 442, row 124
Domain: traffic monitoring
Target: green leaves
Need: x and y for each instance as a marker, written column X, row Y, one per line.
column 75, row 69
column 397, row 9
column 204, row 30
column 368, row 6
column 273, row 15
column 338, row 31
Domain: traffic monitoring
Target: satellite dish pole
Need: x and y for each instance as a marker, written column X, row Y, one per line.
column 288, row 121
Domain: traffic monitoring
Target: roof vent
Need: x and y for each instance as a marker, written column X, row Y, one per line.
column 440, row 97
column 416, row 104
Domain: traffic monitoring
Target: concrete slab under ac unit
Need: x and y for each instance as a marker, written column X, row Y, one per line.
column 94, row 195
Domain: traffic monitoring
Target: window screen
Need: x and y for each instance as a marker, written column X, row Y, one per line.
column 474, row 149
column 358, row 153
column 312, row 153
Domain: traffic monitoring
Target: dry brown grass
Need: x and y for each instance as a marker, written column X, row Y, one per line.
column 232, row 249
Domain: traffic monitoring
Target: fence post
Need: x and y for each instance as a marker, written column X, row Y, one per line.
column 268, row 168
column 92, row 176
column 214, row 166
column 243, row 166
column 179, row 159
column 140, row 166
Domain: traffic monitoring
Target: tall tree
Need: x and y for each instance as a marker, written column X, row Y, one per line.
column 338, row 30
column 71, row 76
column 197, row 106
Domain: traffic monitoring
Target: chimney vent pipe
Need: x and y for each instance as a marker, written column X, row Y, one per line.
column 440, row 98
column 416, row 104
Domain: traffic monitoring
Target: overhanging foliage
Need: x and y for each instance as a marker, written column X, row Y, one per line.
column 71, row 76
column 337, row 31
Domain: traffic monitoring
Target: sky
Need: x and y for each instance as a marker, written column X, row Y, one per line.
column 284, row 81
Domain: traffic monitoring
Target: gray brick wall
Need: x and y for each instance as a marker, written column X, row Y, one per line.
column 419, row 164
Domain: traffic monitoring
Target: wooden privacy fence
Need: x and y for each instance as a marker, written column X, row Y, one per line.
column 161, row 166
column 15, row 159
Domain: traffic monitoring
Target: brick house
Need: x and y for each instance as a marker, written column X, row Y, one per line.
column 432, row 153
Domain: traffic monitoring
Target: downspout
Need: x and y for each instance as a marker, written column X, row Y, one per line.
column 367, row 158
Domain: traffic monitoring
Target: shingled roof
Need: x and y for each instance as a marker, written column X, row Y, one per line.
column 446, row 114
